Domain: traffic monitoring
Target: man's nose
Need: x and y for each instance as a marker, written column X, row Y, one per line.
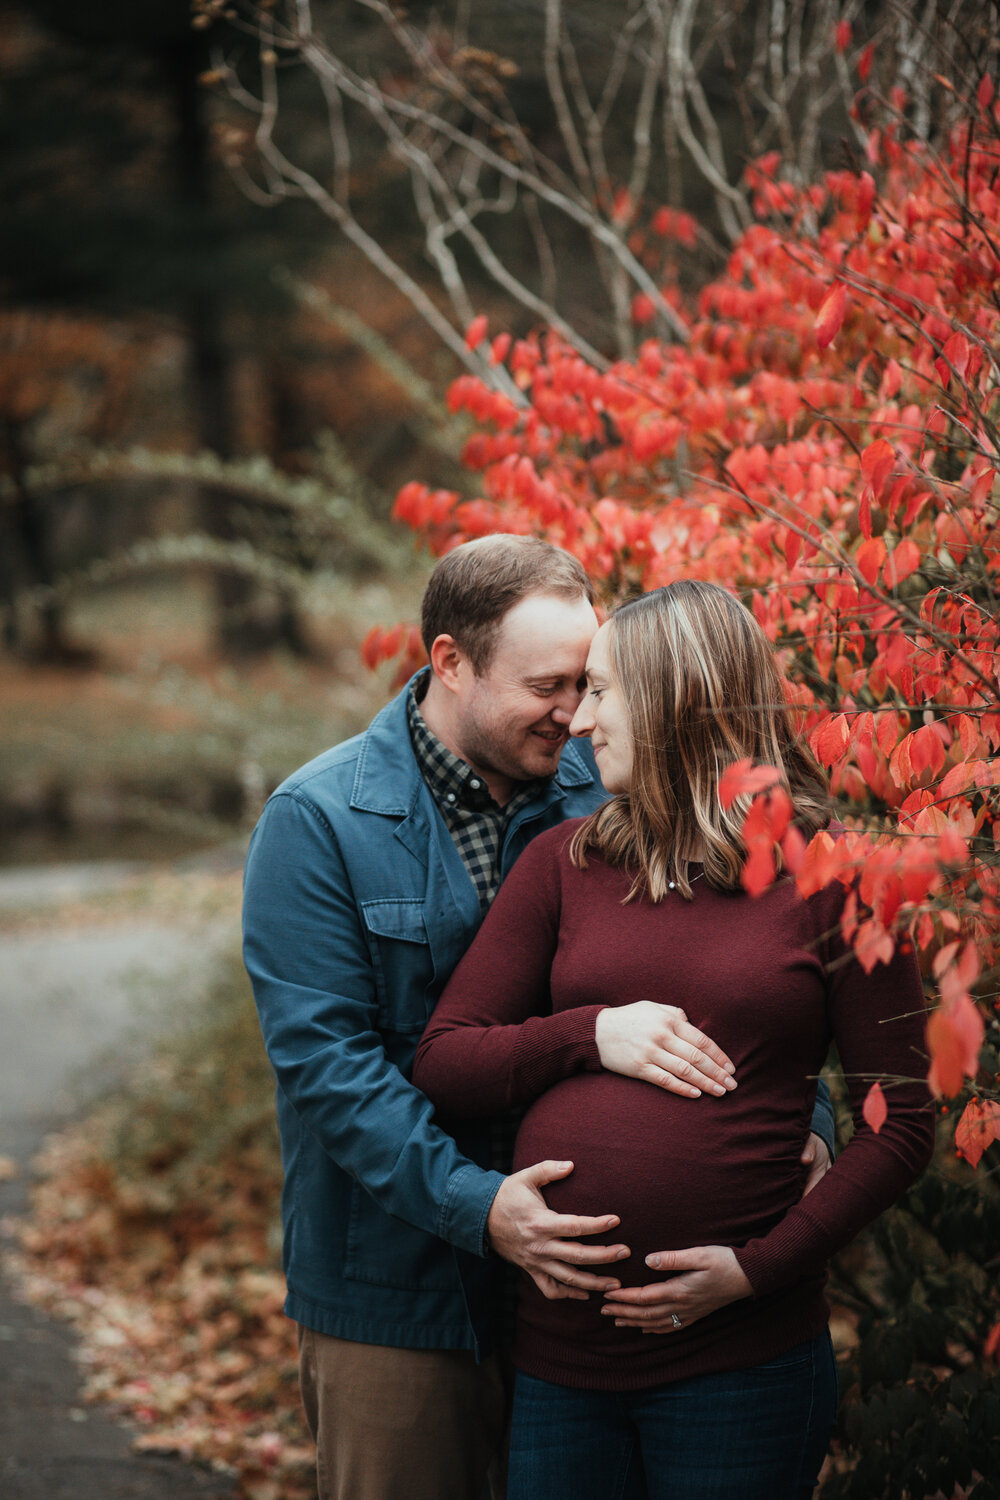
column 566, row 708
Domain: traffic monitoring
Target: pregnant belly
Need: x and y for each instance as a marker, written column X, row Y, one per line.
column 677, row 1172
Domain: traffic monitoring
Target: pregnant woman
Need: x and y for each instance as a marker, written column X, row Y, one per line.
column 709, row 1374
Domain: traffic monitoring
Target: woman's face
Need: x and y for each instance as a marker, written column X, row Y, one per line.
column 602, row 715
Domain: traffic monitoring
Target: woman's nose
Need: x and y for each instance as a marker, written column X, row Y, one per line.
column 582, row 722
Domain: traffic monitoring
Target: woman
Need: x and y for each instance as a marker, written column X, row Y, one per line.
column 716, row 1383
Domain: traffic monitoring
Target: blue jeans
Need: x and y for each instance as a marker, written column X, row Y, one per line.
column 757, row 1434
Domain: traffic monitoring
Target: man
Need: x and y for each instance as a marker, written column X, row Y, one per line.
column 368, row 876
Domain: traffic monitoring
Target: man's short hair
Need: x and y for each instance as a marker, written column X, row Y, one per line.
column 473, row 588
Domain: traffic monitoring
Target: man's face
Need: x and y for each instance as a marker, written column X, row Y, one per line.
column 514, row 720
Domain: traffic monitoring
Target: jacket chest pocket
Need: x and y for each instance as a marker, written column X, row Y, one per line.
column 401, row 958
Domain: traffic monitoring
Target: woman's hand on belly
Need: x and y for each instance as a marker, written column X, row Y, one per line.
column 658, row 1044
column 701, row 1280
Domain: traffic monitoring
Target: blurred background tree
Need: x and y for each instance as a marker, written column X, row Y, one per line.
column 120, row 212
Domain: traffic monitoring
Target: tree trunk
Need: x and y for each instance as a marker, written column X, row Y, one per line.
column 245, row 625
column 29, row 553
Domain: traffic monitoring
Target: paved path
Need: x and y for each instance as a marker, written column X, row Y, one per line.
column 76, row 1007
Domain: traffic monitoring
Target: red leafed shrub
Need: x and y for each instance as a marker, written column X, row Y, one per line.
column 825, row 443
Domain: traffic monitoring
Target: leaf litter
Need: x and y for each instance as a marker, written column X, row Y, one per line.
column 155, row 1232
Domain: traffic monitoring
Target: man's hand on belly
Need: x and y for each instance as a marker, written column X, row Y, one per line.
column 658, row 1044
column 523, row 1229
column 702, row 1280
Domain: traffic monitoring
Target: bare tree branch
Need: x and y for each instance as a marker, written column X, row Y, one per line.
column 652, row 100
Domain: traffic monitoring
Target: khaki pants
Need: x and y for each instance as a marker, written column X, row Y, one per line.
column 402, row 1424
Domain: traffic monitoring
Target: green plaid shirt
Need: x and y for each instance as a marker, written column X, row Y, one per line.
column 476, row 823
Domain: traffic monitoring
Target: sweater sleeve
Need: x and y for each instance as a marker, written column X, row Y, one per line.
column 493, row 1041
column 877, row 1023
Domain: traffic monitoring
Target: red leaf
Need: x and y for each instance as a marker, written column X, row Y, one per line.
column 981, row 485
column 967, row 1024
column 768, row 164
column 873, row 945
column 952, row 848
column 967, row 964
column 831, row 315
column 865, row 199
column 759, row 870
column 875, row 1110
column 978, row 1128
column 876, row 462
column 391, row 642
column 370, row 648
column 887, row 732
column 742, row 778
column 958, row 353
column 476, row 331
column 869, row 557
column 821, row 864
column 947, row 1054
column 793, row 546
column 987, row 773
column 780, row 812
column 903, row 560
column 379, row 645
column 985, row 91
column 926, row 750
column 891, row 380
column 958, row 779
column 831, row 739
column 793, row 849
column 842, row 35
column 865, row 62
column 643, row 310
column 849, row 917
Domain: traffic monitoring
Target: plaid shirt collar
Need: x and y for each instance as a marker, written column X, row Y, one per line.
column 452, row 783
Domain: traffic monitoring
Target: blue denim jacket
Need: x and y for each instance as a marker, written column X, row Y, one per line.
column 357, row 909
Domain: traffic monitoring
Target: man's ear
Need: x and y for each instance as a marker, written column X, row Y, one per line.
column 449, row 662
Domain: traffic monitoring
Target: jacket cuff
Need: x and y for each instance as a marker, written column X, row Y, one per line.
column 466, row 1208
column 822, row 1123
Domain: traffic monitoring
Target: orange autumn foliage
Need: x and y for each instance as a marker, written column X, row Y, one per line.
column 825, row 443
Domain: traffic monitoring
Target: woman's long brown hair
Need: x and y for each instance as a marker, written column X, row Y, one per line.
column 702, row 690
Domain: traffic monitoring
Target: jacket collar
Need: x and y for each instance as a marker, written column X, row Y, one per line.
column 388, row 779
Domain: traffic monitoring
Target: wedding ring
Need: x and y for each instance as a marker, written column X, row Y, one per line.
column 676, row 1321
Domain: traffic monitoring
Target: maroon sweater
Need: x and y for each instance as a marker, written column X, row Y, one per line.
column 770, row 981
